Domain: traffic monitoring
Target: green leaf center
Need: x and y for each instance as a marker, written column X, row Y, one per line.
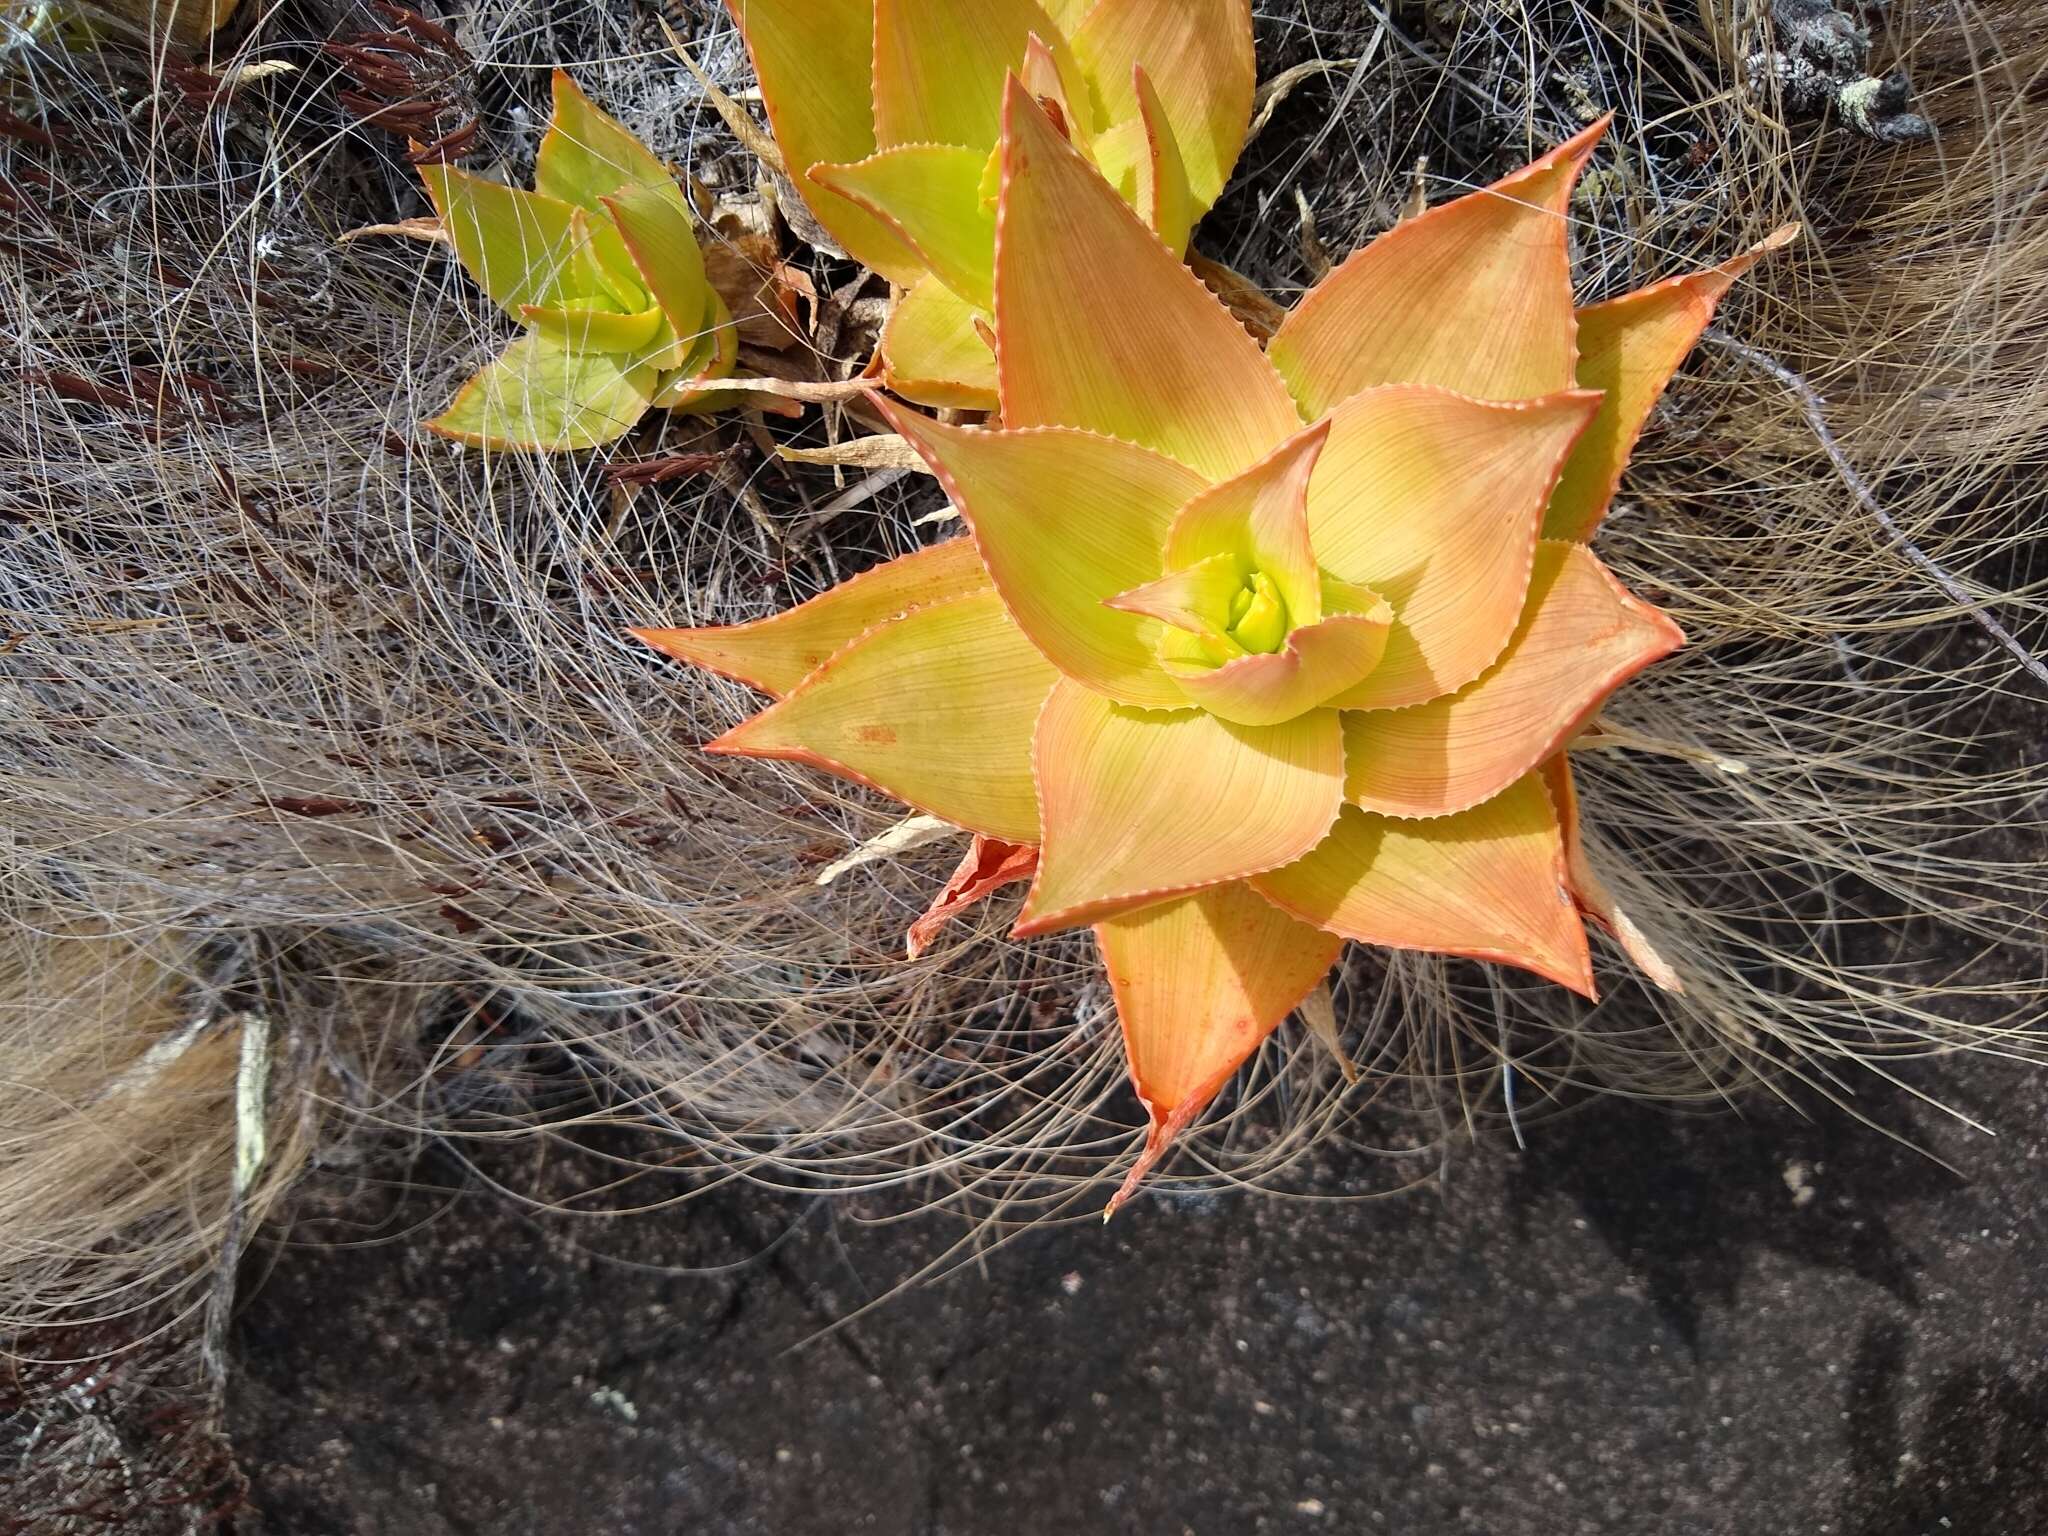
column 1258, row 615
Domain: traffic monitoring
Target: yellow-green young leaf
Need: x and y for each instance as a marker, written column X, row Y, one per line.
column 710, row 357
column 1317, row 664
column 776, row 654
column 1099, row 327
column 1581, row 636
column 586, row 154
column 1199, row 54
column 1475, row 295
column 1432, row 501
column 1169, row 200
column 521, row 247
column 935, row 708
column 940, row 66
column 1630, row 347
column 663, row 249
column 930, row 194
column 1196, row 599
column 1065, row 520
column 1137, row 805
column 814, row 61
column 1590, row 891
column 1261, row 518
column 1045, row 79
column 607, row 257
column 1487, row 883
column 932, row 353
column 544, row 396
column 1141, row 159
column 1199, row 981
column 598, row 330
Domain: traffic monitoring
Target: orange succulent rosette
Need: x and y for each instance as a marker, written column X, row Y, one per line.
column 1260, row 650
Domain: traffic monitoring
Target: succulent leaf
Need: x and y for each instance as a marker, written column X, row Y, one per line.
column 1433, row 501
column 1261, row 518
column 775, row 654
column 1581, row 636
column 1487, row 882
column 1098, row 326
column 940, row 64
column 1630, row 347
column 1317, row 663
column 1057, row 559
column 933, row 351
column 587, row 329
column 1199, row 54
column 543, row 395
column 520, row 247
column 1474, row 295
column 935, row 708
column 814, row 59
column 587, row 154
column 1045, row 79
column 1199, row 982
column 654, row 230
column 1595, row 901
column 930, row 194
column 1138, row 805
column 709, row 358
column 988, row 865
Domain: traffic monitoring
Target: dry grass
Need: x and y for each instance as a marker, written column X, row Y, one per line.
column 302, row 712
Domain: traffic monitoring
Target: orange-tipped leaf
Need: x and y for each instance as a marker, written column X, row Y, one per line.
column 1100, row 327
column 1139, row 804
column 1630, row 347
column 935, row 708
column 1488, row 883
column 1582, row 635
column 1474, row 295
column 1199, row 982
column 775, row 654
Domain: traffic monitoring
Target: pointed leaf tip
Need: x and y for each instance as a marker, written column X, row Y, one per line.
column 935, row 708
column 777, row 653
column 1630, row 347
column 1487, row 883
column 1100, row 327
column 587, row 154
column 1473, row 295
column 1199, row 982
column 1595, row 900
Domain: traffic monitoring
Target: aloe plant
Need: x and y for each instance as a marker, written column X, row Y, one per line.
column 1252, row 652
column 887, row 112
column 600, row 265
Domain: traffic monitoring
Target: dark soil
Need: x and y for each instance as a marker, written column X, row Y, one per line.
column 1643, row 1322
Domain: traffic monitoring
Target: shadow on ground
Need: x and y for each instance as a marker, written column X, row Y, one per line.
column 1642, row 1323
